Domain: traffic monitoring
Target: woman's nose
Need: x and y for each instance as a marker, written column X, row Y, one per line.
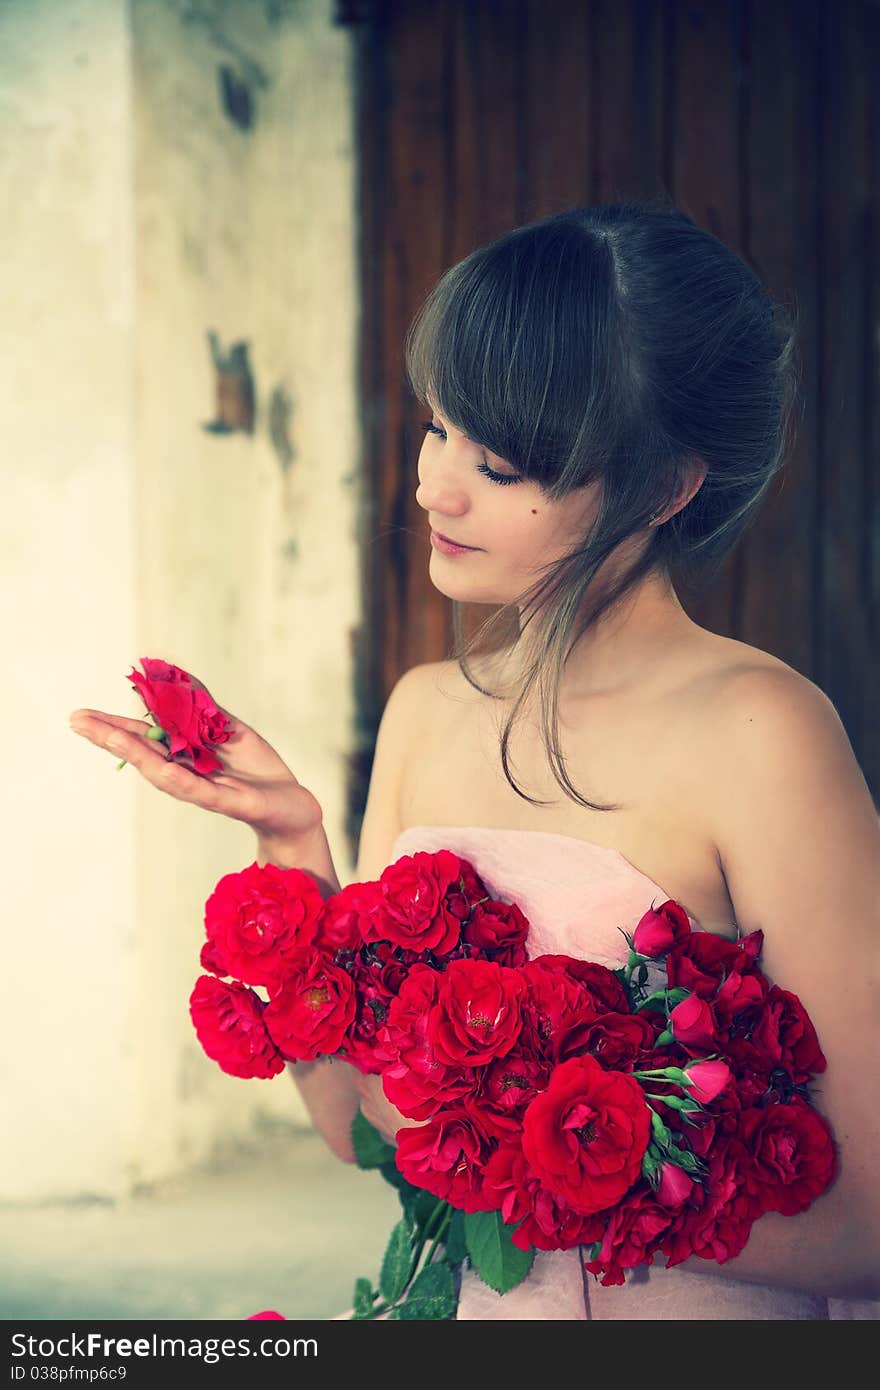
column 440, row 488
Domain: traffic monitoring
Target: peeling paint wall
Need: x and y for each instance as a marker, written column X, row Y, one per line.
column 179, row 167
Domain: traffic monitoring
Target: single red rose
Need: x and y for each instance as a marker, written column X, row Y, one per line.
column 257, row 920
column 412, row 1077
column 605, row 993
column 674, row 1187
column 343, row 922
column 708, row 1080
column 793, row 1155
column 785, row 1037
column 715, row 1221
column 660, row 929
column 411, row 906
column 507, row 1086
column 467, row 890
column 312, row 1011
column 616, row 1041
column 188, row 715
column 703, row 959
column 447, row 1157
column 693, row 1024
column 737, row 994
column 268, row 1314
column 556, row 1005
column 228, row 1019
column 631, row 1237
column 478, row 1013
column 586, row 1134
column 372, row 1004
column 751, row 1070
column 498, row 930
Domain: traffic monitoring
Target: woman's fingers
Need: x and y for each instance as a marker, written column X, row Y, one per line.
column 92, row 721
column 166, row 774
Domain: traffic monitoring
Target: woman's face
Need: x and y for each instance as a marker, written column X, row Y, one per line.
column 476, row 498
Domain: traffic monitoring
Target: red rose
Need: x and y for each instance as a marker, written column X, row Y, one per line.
column 343, row 922
column 692, row 1023
column 555, row 1005
column 312, row 1010
column 616, row 1041
column 661, row 929
column 703, row 959
column 413, row 1079
column 708, row 1080
column 586, row 1135
column 467, row 890
column 738, row 993
column 715, row 1221
column 751, row 1070
column 507, row 1086
column 498, row 930
column 785, row 1037
column 547, row 1222
column 793, row 1155
column 257, row 920
column 447, row 1157
column 188, row 715
column 411, row 906
column 674, row 1187
column 228, row 1019
column 604, row 991
column 478, row 1013
column 632, row 1236
column 267, row 1315
column 359, row 1047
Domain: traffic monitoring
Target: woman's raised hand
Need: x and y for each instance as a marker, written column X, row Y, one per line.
column 255, row 785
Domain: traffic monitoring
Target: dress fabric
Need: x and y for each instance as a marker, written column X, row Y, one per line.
column 578, row 897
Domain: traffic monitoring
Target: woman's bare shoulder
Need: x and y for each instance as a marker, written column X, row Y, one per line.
column 735, row 671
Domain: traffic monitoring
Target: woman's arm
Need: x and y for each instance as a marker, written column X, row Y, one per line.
column 799, row 843
column 330, row 1088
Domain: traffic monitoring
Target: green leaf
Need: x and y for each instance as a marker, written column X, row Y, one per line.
column 455, row 1243
column 392, row 1174
column 432, row 1294
column 363, row 1299
column 370, row 1149
column 392, row 1313
column 494, row 1256
column 396, row 1263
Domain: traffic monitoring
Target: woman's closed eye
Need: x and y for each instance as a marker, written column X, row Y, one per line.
column 430, row 428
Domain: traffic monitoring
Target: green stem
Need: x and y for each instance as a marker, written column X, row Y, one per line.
column 427, row 1232
column 444, row 1226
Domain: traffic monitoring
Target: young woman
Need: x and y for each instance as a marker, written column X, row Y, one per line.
column 611, row 393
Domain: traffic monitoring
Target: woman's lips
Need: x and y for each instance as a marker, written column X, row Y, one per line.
column 447, row 547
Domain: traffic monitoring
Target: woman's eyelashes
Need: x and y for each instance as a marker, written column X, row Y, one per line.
column 430, row 428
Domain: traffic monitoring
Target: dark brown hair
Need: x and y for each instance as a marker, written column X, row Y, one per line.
column 624, row 345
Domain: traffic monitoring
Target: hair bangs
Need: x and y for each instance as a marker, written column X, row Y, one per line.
column 509, row 349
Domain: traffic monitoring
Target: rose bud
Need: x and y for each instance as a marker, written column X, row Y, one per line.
column 708, row 1080
column 674, row 1187
column 692, row 1023
column 659, row 931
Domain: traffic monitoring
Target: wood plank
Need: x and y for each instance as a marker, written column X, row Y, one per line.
column 847, row 662
column 779, row 195
column 705, row 115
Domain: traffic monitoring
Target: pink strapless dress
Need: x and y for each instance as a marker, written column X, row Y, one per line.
column 577, row 896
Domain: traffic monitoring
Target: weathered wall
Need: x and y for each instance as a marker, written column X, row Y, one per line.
column 139, row 217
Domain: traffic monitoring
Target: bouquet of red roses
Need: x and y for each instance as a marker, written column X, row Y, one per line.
column 658, row 1108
